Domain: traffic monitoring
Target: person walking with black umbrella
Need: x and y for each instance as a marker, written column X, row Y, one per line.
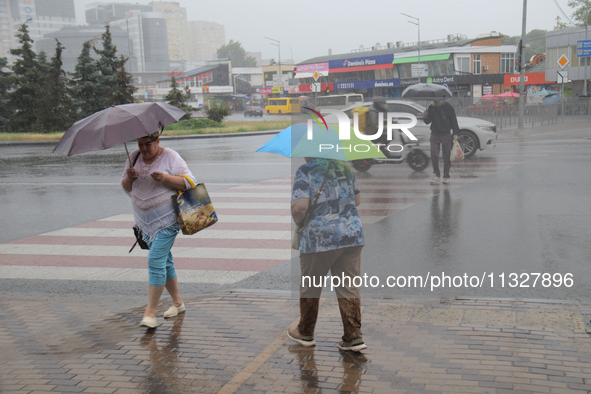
column 443, row 120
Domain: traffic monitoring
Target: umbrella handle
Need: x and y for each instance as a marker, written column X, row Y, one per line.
column 128, row 158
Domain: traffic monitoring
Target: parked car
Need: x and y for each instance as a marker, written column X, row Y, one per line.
column 474, row 133
column 253, row 111
column 486, row 107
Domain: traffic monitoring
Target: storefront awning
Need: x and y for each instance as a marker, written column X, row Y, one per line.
column 427, row 58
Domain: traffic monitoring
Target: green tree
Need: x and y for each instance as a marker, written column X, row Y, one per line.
column 237, row 55
column 179, row 99
column 57, row 112
column 123, row 91
column 24, row 99
column 218, row 112
column 85, row 84
column 582, row 9
column 5, row 86
column 536, row 39
column 107, row 64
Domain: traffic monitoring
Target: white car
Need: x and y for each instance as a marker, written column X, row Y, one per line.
column 474, row 133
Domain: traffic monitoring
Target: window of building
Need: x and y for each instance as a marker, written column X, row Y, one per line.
column 476, row 64
column 507, row 63
column 463, row 64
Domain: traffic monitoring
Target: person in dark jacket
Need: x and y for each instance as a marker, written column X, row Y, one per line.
column 442, row 117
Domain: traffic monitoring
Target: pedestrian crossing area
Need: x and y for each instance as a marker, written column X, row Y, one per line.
column 252, row 235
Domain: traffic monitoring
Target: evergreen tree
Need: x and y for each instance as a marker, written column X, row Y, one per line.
column 24, row 99
column 85, row 84
column 5, row 85
column 57, row 112
column 124, row 90
column 179, row 99
column 108, row 64
column 42, row 110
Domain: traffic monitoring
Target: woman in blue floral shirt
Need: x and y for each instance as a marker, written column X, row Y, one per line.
column 332, row 240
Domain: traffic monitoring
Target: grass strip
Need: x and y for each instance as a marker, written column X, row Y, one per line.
column 174, row 129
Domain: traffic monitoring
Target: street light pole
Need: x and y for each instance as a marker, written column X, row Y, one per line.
column 522, row 73
column 235, row 89
column 586, row 58
column 278, row 45
column 418, row 24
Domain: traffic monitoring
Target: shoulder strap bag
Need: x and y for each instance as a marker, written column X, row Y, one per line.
column 139, row 237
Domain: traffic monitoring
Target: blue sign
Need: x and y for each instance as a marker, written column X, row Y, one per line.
column 361, row 61
column 380, row 83
column 584, row 48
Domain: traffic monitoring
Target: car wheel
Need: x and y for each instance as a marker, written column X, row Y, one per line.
column 362, row 165
column 417, row 160
column 279, row 113
column 468, row 142
column 245, row 114
column 268, row 112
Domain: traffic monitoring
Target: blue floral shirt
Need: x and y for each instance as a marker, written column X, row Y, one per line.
column 336, row 223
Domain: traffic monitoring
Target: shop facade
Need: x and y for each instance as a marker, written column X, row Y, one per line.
column 469, row 68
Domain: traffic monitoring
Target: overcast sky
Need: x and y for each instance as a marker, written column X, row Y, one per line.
column 309, row 28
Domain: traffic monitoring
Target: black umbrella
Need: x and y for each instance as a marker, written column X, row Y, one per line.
column 116, row 125
column 426, row 90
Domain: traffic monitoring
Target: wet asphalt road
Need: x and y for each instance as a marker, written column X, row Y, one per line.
column 530, row 218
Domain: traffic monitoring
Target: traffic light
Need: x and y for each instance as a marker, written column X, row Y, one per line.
column 187, row 90
column 327, row 89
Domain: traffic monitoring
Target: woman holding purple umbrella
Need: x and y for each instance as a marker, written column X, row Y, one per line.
column 150, row 180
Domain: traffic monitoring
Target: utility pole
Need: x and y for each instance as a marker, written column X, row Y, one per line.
column 522, row 73
column 418, row 24
column 586, row 58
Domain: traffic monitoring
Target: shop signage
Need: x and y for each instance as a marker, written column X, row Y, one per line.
column 265, row 90
column 367, row 62
column 487, row 89
column 381, row 83
column 529, row 79
column 456, row 79
column 217, row 89
column 277, row 89
column 308, row 70
column 584, row 48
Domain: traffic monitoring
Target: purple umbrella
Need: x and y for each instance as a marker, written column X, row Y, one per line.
column 116, row 125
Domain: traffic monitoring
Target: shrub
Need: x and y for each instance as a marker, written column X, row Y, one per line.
column 193, row 124
column 217, row 112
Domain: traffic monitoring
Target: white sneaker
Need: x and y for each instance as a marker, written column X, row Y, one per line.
column 435, row 180
column 174, row 310
column 149, row 322
column 445, row 181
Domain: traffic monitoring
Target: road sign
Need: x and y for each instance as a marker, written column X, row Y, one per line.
column 563, row 61
column 561, row 76
column 419, row 70
column 584, row 48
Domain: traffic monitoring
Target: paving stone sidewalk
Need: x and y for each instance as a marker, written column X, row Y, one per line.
column 236, row 343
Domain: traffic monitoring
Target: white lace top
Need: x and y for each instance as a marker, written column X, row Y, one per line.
column 152, row 206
